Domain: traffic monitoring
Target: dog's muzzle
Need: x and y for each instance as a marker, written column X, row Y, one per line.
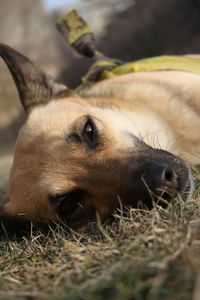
column 164, row 181
column 160, row 177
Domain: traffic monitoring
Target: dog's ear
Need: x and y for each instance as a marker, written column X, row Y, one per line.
column 34, row 86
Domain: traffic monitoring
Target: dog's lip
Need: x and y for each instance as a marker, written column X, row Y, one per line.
column 189, row 187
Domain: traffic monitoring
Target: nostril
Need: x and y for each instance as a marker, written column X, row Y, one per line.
column 168, row 175
column 160, row 176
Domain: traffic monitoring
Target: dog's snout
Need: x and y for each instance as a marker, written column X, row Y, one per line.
column 161, row 179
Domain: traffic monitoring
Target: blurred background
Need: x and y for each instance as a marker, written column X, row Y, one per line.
column 124, row 29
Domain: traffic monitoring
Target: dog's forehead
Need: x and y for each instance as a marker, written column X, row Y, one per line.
column 59, row 115
column 55, row 109
column 54, row 121
column 54, row 116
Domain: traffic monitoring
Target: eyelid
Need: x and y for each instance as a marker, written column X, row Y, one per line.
column 75, row 137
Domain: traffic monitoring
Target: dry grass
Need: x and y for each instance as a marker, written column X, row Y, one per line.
column 138, row 255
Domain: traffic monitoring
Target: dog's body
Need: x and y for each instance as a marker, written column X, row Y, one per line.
column 76, row 156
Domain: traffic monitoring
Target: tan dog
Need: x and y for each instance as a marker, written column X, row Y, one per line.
column 126, row 141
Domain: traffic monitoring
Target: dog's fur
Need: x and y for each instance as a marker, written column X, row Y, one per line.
column 126, row 141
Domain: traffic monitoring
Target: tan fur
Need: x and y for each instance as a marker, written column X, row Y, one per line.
column 172, row 95
column 160, row 108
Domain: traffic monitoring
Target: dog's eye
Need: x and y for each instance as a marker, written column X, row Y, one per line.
column 68, row 203
column 90, row 133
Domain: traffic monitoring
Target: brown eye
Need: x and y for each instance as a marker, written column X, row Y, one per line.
column 69, row 203
column 90, row 133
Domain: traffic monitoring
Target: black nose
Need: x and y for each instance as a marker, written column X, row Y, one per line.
column 161, row 180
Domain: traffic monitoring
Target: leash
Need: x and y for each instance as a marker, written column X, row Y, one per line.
column 80, row 37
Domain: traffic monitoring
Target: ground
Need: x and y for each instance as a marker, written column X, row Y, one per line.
column 137, row 255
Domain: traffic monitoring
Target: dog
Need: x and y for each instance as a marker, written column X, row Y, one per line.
column 129, row 140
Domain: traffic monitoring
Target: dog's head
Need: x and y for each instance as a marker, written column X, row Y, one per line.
column 73, row 159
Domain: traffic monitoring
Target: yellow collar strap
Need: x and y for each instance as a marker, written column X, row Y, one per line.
column 77, row 33
column 158, row 63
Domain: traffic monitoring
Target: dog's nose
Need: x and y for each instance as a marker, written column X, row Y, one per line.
column 162, row 174
column 161, row 179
